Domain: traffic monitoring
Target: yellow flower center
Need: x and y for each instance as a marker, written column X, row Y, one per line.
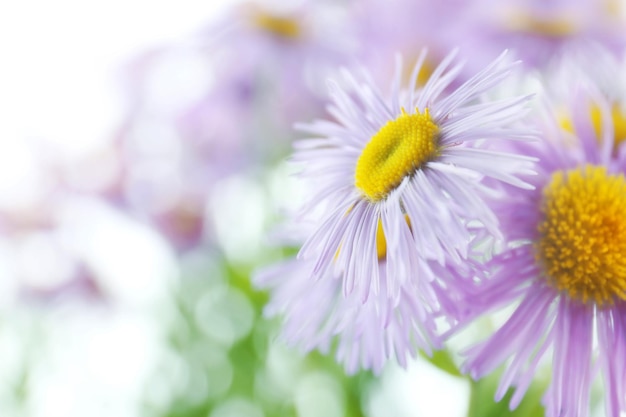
column 559, row 26
column 614, row 8
column 278, row 25
column 425, row 72
column 582, row 237
column 397, row 150
column 423, row 75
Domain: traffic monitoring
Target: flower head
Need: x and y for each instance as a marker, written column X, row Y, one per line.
column 395, row 203
column 406, row 27
column 412, row 165
column 539, row 31
column 565, row 261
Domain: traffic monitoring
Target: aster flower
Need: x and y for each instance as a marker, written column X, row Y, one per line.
column 394, row 213
column 538, row 31
column 270, row 64
column 411, row 164
column 406, row 27
column 565, row 265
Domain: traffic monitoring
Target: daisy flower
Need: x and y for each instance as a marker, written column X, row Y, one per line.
column 405, row 27
column 274, row 59
column 565, row 265
column 395, row 208
column 412, row 165
column 538, row 31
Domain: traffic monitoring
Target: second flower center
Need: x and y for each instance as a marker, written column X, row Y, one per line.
column 582, row 243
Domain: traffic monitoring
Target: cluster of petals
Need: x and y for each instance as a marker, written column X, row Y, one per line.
column 431, row 221
column 460, row 229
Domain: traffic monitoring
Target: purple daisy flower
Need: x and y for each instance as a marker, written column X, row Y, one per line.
column 564, row 264
column 271, row 63
column 537, row 30
column 395, row 209
column 412, row 164
column 406, row 27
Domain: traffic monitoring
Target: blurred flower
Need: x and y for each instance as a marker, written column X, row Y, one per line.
column 285, row 51
column 406, row 27
column 37, row 252
column 538, row 31
column 78, row 276
column 565, row 262
column 221, row 103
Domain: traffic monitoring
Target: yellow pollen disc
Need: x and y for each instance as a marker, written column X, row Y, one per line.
column 423, row 75
column 281, row 26
column 556, row 27
column 613, row 7
column 582, row 236
column 396, row 151
column 425, row 72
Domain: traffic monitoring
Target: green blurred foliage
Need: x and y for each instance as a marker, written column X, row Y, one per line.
column 247, row 358
column 482, row 402
column 231, row 374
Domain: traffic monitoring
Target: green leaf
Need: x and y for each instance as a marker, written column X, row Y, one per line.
column 482, row 402
column 442, row 360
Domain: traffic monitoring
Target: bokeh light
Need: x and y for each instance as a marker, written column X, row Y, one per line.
column 145, row 175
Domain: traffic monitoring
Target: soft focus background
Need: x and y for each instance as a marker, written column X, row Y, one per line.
column 100, row 315
column 142, row 149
